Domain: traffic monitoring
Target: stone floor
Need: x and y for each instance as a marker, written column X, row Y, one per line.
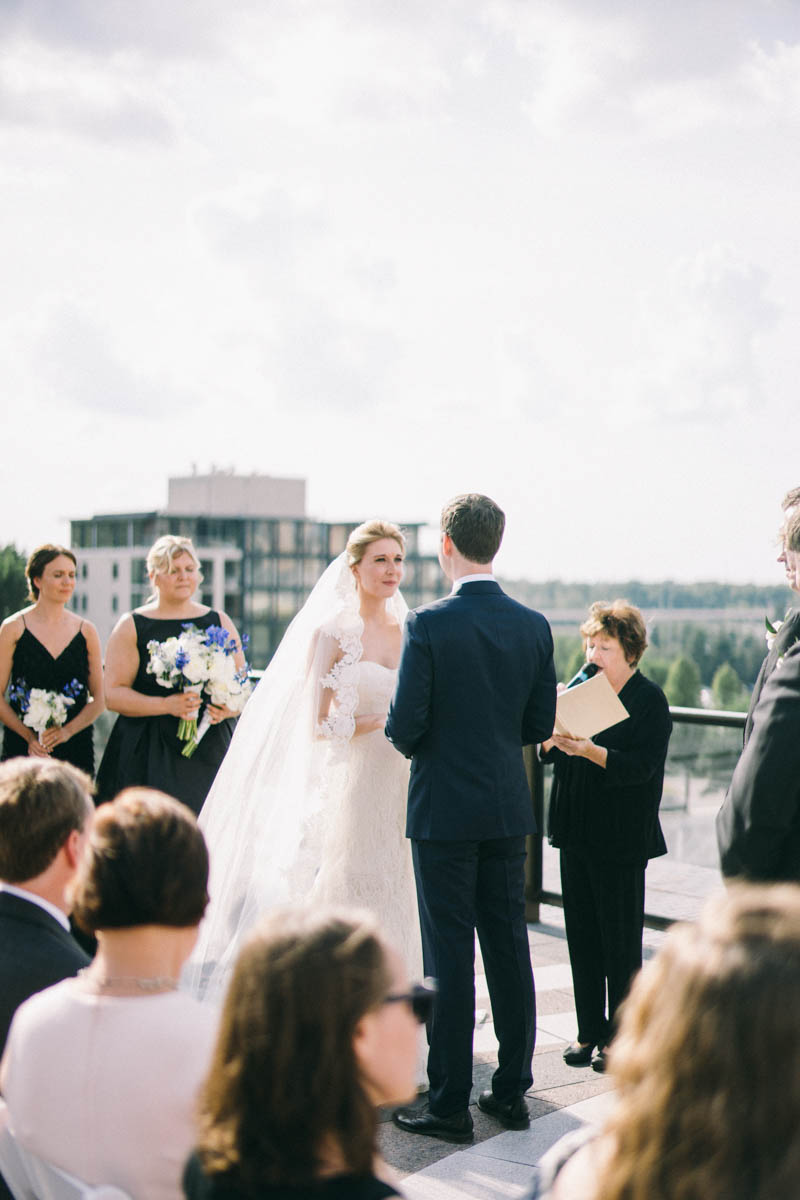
column 499, row 1162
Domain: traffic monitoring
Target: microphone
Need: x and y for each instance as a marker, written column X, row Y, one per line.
column 586, row 672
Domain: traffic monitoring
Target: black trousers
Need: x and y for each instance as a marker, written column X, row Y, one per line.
column 463, row 887
column 604, row 916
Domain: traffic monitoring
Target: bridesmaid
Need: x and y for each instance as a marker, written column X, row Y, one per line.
column 47, row 646
column 143, row 749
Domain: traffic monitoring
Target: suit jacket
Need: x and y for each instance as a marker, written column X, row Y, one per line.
column 476, row 683
column 787, row 635
column 758, row 825
column 35, row 952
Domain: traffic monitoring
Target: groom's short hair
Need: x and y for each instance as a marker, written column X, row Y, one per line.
column 475, row 524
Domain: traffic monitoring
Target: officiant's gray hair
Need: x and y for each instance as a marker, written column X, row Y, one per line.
column 371, row 531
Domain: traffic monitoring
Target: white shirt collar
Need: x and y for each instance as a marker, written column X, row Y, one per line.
column 53, row 909
column 472, row 579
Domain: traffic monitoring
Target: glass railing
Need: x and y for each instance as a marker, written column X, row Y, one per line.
column 703, row 752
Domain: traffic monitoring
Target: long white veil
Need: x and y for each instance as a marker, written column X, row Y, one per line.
column 286, row 765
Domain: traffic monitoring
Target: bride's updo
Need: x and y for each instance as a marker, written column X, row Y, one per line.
column 366, row 534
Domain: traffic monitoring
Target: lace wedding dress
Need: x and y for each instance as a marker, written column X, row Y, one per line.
column 366, row 857
column 301, row 810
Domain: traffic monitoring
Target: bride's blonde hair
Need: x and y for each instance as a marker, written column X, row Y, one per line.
column 369, row 532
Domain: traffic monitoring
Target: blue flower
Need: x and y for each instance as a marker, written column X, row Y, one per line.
column 73, row 689
column 19, row 695
column 181, row 659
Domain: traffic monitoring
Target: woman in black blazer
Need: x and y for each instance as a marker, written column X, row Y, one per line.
column 604, row 819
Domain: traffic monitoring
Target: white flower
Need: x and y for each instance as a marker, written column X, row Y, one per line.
column 46, row 709
column 771, row 632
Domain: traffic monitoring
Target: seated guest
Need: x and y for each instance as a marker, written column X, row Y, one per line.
column 319, row 1027
column 705, row 1067
column 45, row 808
column 101, row 1072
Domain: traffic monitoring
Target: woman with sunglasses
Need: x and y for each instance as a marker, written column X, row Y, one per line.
column 319, row 1028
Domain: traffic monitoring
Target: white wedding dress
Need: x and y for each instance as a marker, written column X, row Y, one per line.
column 301, row 810
column 366, row 857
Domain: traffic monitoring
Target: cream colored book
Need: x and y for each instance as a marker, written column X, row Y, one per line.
column 589, row 708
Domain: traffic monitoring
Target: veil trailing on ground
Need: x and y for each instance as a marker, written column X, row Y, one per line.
column 286, row 767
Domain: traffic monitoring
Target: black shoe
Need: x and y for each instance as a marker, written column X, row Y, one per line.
column 599, row 1061
column 578, row 1054
column 455, row 1128
column 513, row 1114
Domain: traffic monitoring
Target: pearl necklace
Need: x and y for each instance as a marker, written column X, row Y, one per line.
column 158, row 983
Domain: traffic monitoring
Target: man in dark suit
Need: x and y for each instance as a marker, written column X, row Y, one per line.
column 789, row 631
column 45, row 809
column 476, row 683
column 758, row 826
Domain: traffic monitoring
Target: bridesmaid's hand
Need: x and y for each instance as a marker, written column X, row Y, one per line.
column 182, row 704
column 218, row 712
column 56, row 736
column 36, row 750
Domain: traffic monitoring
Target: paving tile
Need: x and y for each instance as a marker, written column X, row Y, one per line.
column 469, row 1175
column 528, row 1145
column 557, row 1001
column 550, row 977
column 562, row 1025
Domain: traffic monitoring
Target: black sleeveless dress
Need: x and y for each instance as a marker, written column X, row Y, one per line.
column 34, row 665
column 145, row 751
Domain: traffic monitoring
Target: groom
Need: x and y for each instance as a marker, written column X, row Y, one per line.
column 476, row 684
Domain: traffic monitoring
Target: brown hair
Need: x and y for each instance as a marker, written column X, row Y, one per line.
column 620, row 620
column 284, row 1081
column 791, row 532
column 366, row 534
column 146, row 864
column 41, row 802
column 475, row 524
column 705, row 1061
column 39, row 559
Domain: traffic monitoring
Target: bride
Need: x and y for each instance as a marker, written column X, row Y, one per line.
column 310, row 800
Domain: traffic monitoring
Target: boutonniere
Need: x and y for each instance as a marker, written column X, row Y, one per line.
column 772, row 632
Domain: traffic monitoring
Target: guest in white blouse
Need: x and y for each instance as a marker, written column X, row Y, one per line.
column 101, row 1072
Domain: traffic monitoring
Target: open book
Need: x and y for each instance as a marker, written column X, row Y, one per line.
column 589, row 708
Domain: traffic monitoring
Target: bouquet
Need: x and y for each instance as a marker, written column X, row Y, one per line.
column 40, row 709
column 200, row 660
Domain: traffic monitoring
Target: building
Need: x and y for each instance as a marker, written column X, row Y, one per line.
column 260, row 554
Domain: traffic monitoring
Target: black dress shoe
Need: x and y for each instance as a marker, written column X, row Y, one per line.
column 513, row 1114
column 455, row 1128
column 599, row 1061
column 578, row 1055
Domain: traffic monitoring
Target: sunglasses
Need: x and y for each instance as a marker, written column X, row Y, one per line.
column 420, row 999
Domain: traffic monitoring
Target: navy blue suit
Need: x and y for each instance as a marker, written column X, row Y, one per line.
column 476, row 683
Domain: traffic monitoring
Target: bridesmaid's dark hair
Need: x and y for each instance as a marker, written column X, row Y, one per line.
column 285, row 1083
column 37, row 562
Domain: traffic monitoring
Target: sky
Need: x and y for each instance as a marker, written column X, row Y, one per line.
column 407, row 249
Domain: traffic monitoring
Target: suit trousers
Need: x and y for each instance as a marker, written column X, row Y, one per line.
column 604, row 917
column 463, row 887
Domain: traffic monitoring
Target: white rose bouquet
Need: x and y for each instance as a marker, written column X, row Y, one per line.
column 40, row 709
column 200, row 660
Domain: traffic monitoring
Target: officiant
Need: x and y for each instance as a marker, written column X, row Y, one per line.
column 604, row 820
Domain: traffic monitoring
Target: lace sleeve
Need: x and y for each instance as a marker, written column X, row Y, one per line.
column 335, row 666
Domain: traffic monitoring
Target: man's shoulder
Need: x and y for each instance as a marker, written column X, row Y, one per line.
column 33, row 933
column 493, row 594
